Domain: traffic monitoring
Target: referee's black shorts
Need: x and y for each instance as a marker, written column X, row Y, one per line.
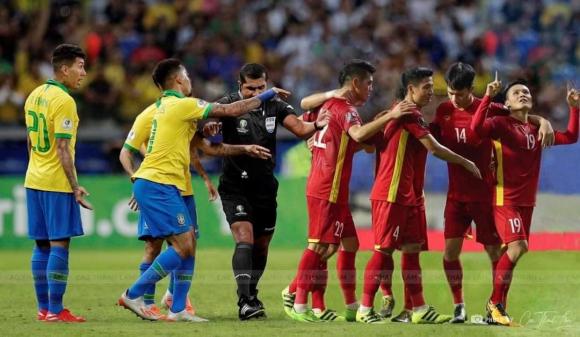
column 250, row 200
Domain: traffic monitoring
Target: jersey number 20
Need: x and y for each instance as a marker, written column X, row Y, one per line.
column 39, row 128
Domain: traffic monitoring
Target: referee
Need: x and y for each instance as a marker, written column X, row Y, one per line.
column 248, row 187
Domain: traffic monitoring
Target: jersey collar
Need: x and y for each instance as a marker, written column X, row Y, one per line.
column 58, row 84
column 167, row 93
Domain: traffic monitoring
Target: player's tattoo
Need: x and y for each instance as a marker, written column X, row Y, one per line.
column 235, row 108
column 66, row 161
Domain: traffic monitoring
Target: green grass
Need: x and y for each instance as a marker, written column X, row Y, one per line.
column 544, row 297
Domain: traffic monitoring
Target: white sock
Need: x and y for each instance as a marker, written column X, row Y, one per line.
column 364, row 310
column 421, row 308
column 352, row 306
column 300, row 308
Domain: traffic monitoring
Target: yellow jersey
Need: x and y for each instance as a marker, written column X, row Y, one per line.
column 139, row 135
column 174, row 124
column 51, row 113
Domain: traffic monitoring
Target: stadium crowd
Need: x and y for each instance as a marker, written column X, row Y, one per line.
column 302, row 42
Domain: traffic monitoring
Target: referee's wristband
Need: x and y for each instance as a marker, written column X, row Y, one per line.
column 266, row 95
column 316, row 127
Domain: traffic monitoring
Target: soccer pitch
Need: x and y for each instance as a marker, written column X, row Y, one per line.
column 544, row 297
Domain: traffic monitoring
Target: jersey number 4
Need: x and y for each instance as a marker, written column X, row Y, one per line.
column 39, row 126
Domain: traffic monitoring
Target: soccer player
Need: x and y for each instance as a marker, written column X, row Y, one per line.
column 248, row 187
column 518, row 156
column 161, row 177
column 136, row 140
column 397, row 199
column 327, row 192
column 468, row 198
column 53, row 194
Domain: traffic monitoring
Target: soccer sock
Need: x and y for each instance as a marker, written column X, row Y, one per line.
column 411, row 270
column 387, row 281
column 149, row 295
column 319, row 287
column 57, row 270
column 308, row 267
column 372, row 279
column 164, row 264
column 346, row 270
column 493, row 269
column 503, row 278
column 293, row 285
column 38, row 263
column 259, row 261
column 181, row 283
column 242, row 266
column 454, row 273
column 408, row 302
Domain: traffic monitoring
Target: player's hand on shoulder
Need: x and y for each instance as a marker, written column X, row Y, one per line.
column 284, row 94
column 494, row 87
column 546, row 134
column 80, row 194
column 322, row 118
column 211, row 129
column 258, row 151
column 402, row 108
column 573, row 96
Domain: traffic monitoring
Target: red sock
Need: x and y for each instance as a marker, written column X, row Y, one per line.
column 293, row 285
column 408, row 302
column 346, row 270
column 503, row 279
column 319, row 287
column 372, row 278
column 387, row 281
column 454, row 273
column 411, row 269
column 307, row 268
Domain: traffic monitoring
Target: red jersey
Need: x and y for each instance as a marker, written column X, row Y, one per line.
column 332, row 153
column 400, row 164
column 451, row 127
column 518, row 153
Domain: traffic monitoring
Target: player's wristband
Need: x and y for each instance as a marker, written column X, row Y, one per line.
column 316, row 127
column 266, row 95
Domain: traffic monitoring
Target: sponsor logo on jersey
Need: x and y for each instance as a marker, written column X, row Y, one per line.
column 270, row 124
column 201, row 103
column 67, row 124
column 131, row 135
column 243, row 126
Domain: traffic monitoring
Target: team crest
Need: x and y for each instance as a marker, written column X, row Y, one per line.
column 243, row 126
column 270, row 124
column 180, row 219
column 67, row 124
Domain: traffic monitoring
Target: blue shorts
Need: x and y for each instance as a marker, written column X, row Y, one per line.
column 162, row 208
column 144, row 233
column 52, row 215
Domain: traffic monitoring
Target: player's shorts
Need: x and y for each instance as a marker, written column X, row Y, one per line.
column 513, row 222
column 144, row 233
column 162, row 208
column 328, row 222
column 395, row 225
column 52, row 215
column 252, row 201
column 458, row 218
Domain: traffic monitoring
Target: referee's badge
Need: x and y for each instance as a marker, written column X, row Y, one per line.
column 180, row 219
column 270, row 124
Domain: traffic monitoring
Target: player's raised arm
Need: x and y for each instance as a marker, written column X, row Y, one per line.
column 315, row 100
column 239, row 108
column 442, row 152
column 571, row 134
column 361, row 133
column 479, row 124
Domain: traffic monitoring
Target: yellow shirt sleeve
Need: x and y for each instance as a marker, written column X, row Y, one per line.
column 195, row 109
column 65, row 115
column 139, row 132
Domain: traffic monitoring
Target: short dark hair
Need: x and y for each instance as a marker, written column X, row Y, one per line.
column 460, row 76
column 355, row 68
column 164, row 70
column 504, row 93
column 66, row 54
column 412, row 76
column 253, row 71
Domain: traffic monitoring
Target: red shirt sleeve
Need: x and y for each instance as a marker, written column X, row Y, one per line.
column 350, row 118
column 497, row 109
column 311, row 115
column 571, row 134
column 416, row 125
column 480, row 124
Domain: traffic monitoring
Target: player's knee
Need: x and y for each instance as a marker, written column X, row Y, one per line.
column 43, row 244
column 493, row 251
column 243, row 232
column 350, row 244
column 152, row 249
column 411, row 248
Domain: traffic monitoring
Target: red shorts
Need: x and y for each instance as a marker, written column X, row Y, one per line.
column 328, row 222
column 395, row 224
column 513, row 222
column 458, row 218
